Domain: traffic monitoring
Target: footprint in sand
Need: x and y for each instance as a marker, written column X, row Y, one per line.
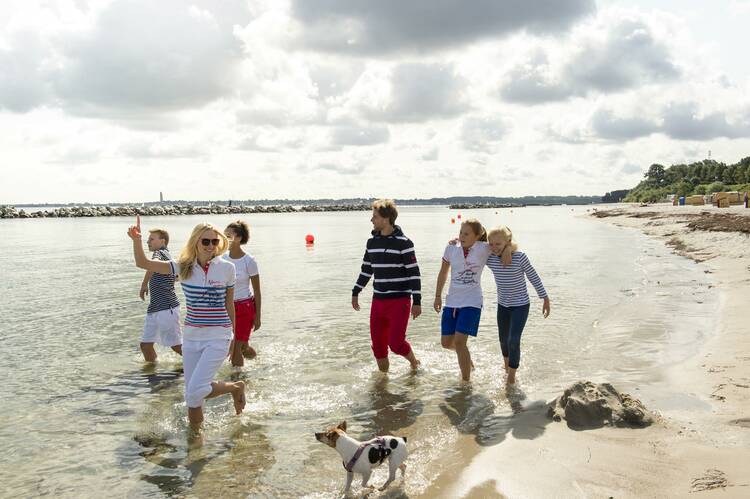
column 711, row 479
column 744, row 422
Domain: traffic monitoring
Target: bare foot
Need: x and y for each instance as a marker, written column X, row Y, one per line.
column 249, row 352
column 238, row 394
column 415, row 365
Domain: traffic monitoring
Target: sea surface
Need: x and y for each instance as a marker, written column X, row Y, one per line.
column 82, row 416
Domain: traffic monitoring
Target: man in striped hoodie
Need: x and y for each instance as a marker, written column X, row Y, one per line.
column 391, row 261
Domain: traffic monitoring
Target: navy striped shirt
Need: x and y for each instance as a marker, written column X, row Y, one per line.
column 511, row 282
column 392, row 263
column 161, row 287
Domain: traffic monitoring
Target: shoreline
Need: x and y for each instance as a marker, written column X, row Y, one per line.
column 690, row 450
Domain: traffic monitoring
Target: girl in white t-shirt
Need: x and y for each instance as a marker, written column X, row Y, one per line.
column 463, row 304
column 246, row 300
column 207, row 281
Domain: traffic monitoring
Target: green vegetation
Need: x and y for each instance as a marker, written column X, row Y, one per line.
column 702, row 177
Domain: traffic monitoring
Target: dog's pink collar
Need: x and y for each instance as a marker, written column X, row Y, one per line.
column 379, row 441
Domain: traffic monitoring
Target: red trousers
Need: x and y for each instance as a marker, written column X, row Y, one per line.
column 388, row 321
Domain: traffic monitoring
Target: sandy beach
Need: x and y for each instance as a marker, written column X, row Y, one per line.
column 699, row 448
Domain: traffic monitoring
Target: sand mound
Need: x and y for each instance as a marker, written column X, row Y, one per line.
column 586, row 405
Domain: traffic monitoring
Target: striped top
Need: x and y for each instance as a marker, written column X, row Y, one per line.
column 161, row 287
column 392, row 263
column 511, row 282
column 206, row 316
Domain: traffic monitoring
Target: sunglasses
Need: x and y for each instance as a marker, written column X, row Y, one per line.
column 208, row 242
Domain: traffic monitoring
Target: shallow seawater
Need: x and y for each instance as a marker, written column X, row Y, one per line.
column 82, row 416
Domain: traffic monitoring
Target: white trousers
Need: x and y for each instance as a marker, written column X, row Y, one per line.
column 201, row 361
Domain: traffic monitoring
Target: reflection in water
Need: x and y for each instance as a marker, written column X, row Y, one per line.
column 386, row 411
column 233, row 464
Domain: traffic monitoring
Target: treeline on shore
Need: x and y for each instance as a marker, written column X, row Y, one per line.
column 699, row 178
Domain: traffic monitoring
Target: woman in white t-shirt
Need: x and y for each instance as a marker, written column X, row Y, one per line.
column 246, row 300
column 463, row 304
column 208, row 284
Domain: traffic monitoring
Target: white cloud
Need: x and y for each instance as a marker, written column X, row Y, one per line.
column 357, row 135
column 416, row 92
column 387, row 26
column 611, row 54
column 482, row 134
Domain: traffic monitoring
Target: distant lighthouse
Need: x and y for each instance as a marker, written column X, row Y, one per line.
column 161, row 197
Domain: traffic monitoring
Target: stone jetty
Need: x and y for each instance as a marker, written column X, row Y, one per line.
column 476, row 206
column 170, row 210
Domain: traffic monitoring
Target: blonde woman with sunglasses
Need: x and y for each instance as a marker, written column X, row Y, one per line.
column 208, row 283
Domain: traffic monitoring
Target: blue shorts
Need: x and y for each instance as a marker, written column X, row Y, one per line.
column 462, row 320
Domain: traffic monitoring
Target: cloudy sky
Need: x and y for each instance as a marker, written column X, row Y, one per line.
column 116, row 100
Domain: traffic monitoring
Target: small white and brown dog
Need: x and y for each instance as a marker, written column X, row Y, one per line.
column 363, row 457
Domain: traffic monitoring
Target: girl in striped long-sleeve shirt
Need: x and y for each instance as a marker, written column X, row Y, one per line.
column 512, row 296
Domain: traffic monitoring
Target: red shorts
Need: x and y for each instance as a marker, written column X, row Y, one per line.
column 244, row 316
column 389, row 318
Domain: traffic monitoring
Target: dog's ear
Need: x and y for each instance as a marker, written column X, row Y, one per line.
column 342, row 425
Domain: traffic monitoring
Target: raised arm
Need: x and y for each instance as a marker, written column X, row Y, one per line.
column 141, row 260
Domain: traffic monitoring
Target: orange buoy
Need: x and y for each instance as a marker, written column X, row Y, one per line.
column 453, row 220
column 310, row 239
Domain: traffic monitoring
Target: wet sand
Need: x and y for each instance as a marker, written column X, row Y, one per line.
column 699, row 448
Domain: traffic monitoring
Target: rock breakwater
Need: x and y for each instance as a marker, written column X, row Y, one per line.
column 170, row 210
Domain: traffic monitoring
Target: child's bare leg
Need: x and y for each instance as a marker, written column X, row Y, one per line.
column 248, row 352
column 195, row 418
column 511, row 376
column 464, row 357
column 413, row 360
column 447, row 342
column 237, row 358
column 149, row 353
column 383, row 364
column 237, row 389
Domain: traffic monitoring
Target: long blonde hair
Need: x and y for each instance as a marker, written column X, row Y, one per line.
column 505, row 234
column 189, row 253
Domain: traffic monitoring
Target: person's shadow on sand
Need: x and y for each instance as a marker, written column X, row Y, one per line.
column 474, row 413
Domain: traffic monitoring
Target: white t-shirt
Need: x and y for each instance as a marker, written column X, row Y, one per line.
column 206, row 315
column 245, row 268
column 466, row 274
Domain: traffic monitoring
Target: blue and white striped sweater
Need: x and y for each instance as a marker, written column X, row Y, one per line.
column 511, row 280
